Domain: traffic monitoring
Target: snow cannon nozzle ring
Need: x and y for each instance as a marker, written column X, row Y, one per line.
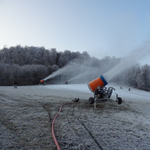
column 103, row 79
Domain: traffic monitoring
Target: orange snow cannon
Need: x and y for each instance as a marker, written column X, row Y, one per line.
column 100, row 81
column 101, row 93
column 41, row 81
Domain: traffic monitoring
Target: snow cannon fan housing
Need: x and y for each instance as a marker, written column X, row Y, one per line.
column 100, row 81
column 41, row 81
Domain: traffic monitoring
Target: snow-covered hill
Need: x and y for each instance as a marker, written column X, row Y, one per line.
column 133, row 95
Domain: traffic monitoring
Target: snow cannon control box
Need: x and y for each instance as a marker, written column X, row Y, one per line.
column 98, row 82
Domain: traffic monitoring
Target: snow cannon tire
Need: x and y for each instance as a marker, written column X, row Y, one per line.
column 119, row 100
column 91, row 100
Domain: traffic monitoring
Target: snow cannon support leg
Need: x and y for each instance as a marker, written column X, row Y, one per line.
column 118, row 99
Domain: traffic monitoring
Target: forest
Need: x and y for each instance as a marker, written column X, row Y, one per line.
column 28, row 65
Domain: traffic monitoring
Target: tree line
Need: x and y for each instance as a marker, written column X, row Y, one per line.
column 28, row 65
column 137, row 76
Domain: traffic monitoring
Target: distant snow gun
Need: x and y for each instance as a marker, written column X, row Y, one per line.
column 42, row 82
column 101, row 93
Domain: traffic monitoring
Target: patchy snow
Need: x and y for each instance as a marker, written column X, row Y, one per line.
column 26, row 114
column 73, row 87
column 132, row 95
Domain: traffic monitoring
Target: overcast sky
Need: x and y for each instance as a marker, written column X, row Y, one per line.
column 100, row 27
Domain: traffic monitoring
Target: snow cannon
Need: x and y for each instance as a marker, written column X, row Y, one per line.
column 101, row 93
column 41, row 81
column 98, row 82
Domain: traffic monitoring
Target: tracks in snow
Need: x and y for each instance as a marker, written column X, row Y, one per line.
column 71, row 129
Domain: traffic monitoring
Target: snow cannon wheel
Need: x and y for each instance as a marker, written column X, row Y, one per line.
column 91, row 100
column 119, row 100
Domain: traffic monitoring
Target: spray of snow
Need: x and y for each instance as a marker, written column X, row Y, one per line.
column 80, row 72
column 60, row 71
column 76, row 72
column 86, row 73
column 127, row 62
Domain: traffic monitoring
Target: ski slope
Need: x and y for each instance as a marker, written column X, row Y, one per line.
column 132, row 95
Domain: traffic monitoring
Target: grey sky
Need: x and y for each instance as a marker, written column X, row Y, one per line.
column 100, row 27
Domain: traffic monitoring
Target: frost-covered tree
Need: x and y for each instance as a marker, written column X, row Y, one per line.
column 145, row 77
column 52, row 56
column 133, row 75
column 64, row 58
column 27, row 65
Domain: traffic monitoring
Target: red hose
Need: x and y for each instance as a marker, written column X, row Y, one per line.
column 52, row 129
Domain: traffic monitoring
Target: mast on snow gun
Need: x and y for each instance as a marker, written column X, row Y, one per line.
column 101, row 93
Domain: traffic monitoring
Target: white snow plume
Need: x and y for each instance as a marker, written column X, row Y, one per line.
column 127, row 62
column 76, row 72
column 85, row 74
column 60, row 71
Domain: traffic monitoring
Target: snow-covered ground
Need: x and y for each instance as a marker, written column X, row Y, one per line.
column 133, row 94
column 26, row 114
